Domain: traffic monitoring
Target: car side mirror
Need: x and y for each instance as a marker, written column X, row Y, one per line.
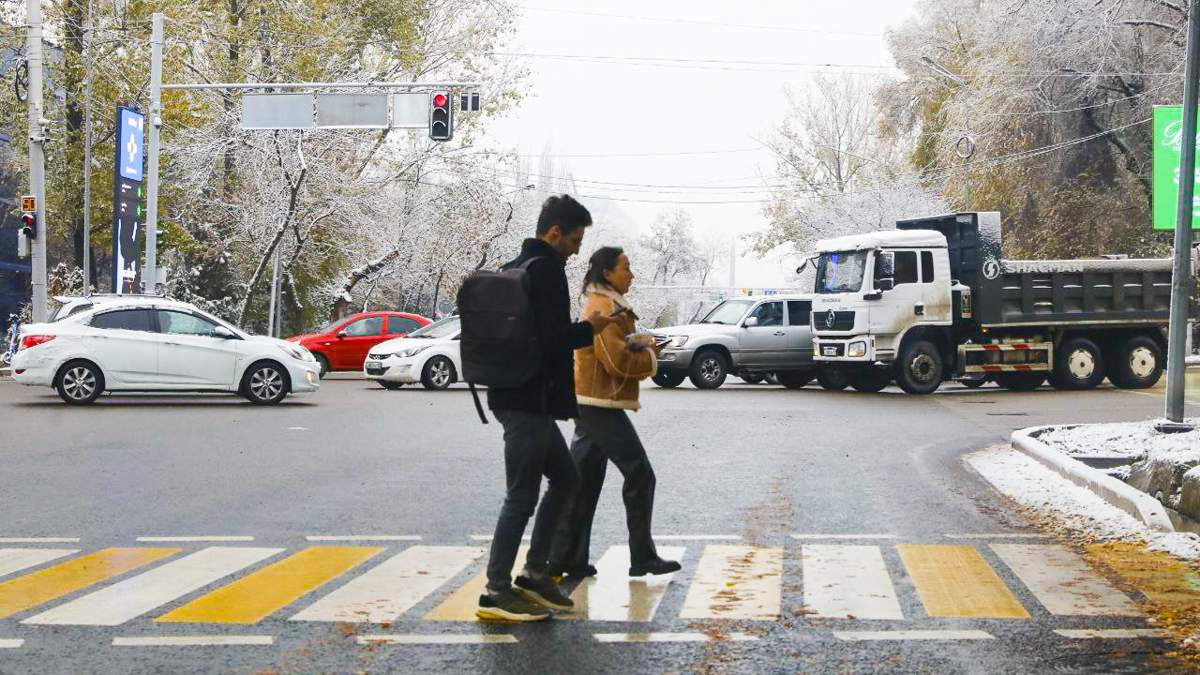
column 223, row 333
column 750, row 322
column 885, row 284
column 341, row 334
column 803, row 266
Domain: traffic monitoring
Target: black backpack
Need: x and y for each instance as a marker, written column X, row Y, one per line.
column 499, row 340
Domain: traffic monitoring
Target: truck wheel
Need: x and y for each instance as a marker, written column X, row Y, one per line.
column 1020, row 381
column 833, row 378
column 1137, row 364
column 752, row 378
column 667, row 379
column 870, row 380
column 794, row 379
column 1078, row 365
column 709, row 370
column 920, row 368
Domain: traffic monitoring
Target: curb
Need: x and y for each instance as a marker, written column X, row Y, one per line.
column 1114, row 491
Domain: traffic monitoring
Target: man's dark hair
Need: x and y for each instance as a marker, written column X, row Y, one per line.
column 563, row 211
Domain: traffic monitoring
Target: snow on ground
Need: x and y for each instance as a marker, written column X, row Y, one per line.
column 1132, row 439
column 1074, row 508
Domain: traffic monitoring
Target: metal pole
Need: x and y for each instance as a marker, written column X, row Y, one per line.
column 322, row 85
column 37, row 155
column 1181, row 275
column 87, row 154
column 150, row 273
column 274, row 296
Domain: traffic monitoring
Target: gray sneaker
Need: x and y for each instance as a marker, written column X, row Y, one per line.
column 543, row 591
column 506, row 605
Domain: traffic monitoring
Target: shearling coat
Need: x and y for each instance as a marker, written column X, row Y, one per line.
column 608, row 372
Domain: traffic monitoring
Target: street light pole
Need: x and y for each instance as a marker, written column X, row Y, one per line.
column 1181, row 275
column 150, row 271
column 37, row 156
column 87, row 153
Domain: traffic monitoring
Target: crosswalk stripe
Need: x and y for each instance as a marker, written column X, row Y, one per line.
column 462, row 603
column 803, row 537
column 886, row 635
column 612, row 595
column 39, row 540
column 736, row 582
column 1112, row 633
column 955, row 581
column 1063, row 582
column 436, row 639
column 391, row 588
column 1000, row 535
column 17, row 559
column 848, row 582
column 11, row 643
column 672, row 637
column 194, row 641
column 37, row 588
column 260, row 594
column 220, row 538
column 363, row 537
column 125, row 600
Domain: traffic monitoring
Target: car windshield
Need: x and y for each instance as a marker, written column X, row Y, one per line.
column 841, row 272
column 728, row 313
column 329, row 326
column 438, row 329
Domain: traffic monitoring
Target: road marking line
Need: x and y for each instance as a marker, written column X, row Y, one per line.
column 17, row 559
column 697, row 537
column 462, row 603
column 39, row 540
column 843, row 536
column 953, row 580
column 129, row 599
column 202, row 538
column 37, row 588
column 736, row 582
column 880, row 635
column 364, row 537
column 1112, row 633
column 488, row 537
column 11, row 643
column 258, row 595
column 391, row 588
column 843, row 582
column 999, row 535
column 1063, row 582
column 613, row 595
column 436, row 639
column 194, row 641
column 672, row 637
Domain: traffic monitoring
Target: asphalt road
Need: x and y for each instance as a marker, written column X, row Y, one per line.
column 746, row 466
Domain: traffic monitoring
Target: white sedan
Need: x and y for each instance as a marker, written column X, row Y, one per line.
column 153, row 344
column 429, row 356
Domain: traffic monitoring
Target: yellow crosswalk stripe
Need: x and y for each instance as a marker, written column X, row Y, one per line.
column 955, row 581
column 29, row 591
column 1163, row 579
column 260, row 594
column 462, row 603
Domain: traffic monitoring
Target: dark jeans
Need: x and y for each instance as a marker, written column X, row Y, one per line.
column 603, row 434
column 533, row 447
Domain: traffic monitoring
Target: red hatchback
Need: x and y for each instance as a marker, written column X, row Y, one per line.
column 343, row 344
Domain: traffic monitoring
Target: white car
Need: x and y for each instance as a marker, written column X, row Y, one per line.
column 429, row 356
column 147, row 343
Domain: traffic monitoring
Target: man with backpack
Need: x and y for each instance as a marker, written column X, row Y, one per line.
column 531, row 383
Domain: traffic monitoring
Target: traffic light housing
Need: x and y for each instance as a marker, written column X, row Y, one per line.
column 26, row 233
column 441, row 116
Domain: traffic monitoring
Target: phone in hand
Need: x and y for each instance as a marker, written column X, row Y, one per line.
column 618, row 312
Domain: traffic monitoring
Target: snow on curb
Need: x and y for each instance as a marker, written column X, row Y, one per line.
column 1116, row 492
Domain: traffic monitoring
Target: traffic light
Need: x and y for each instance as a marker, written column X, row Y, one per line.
column 26, row 233
column 441, row 116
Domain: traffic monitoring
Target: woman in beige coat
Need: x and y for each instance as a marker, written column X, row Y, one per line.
column 607, row 377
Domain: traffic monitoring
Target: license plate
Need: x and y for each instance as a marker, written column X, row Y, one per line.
column 375, row 370
column 829, row 351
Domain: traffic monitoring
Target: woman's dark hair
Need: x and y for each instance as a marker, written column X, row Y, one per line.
column 563, row 211
column 603, row 260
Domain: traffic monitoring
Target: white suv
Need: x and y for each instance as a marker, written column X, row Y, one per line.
column 154, row 344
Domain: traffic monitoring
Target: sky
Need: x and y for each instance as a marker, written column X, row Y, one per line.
column 675, row 93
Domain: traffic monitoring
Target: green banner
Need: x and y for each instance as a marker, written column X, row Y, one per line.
column 1168, row 134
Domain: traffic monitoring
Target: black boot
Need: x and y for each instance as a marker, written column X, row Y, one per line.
column 654, row 566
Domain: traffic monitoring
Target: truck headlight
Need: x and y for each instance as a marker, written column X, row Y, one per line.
column 857, row 348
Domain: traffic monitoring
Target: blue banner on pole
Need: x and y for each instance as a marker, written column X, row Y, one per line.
column 131, row 143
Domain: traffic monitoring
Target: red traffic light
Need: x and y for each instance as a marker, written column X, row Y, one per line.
column 28, row 219
column 440, row 100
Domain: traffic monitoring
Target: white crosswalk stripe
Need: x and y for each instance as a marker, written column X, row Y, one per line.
column 1063, row 582
column 612, row 595
column 736, row 582
column 17, row 559
column 848, row 582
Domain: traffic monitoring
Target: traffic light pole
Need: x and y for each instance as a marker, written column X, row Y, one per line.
column 1181, row 276
column 150, row 281
column 37, row 156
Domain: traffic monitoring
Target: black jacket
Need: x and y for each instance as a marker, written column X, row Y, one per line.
column 552, row 390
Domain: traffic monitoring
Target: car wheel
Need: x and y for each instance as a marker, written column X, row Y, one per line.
column 79, row 383
column 709, row 370
column 920, row 368
column 1020, row 381
column 667, row 379
column 1137, row 364
column 833, row 378
column 323, row 364
column 870, row 380
column 265, row 383
column 752, row 378
column 438, row 373
column 772, row 378
column 1078, row 365
column 390, row 386
column 794, row 379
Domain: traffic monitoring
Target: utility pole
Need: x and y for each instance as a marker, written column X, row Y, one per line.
column 150, row 271
column 37, row 155
column 1181, row 275
column 87, row 153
